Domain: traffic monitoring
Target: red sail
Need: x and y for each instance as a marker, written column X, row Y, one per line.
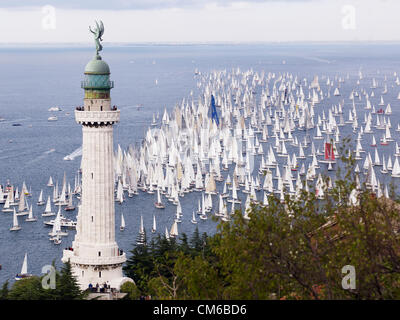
column 329, row 154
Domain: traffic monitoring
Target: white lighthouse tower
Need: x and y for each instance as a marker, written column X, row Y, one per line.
column 95, row 256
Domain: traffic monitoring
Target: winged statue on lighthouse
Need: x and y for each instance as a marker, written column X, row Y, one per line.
column 98, row 33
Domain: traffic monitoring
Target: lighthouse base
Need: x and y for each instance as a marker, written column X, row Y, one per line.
column 91, row 275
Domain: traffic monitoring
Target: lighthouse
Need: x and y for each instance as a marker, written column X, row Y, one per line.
column 95, row 256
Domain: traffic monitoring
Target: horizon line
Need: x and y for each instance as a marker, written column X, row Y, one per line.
column 177, row 43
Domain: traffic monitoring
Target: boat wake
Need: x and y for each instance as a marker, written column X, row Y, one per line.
column 316, row 59
column 49, row 151
column 40, row 157
column 74, row 154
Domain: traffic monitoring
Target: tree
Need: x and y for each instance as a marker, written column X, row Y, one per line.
column 139, row 267
column 132, row 290
column 4, row 291
column 200, row 278
column 28, row 289
column 67, row 287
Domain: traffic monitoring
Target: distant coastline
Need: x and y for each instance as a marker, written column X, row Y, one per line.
column 139, row 44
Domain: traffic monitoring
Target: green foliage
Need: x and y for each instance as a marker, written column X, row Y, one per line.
column 153, row 267
column 67, row 287
column 131, row 289
column 31, row 288
column 4, row 291
column 28, row 289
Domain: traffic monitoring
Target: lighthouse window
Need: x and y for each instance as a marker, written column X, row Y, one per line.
column 99, row 253
column 92, row 175
column 92, row 218
column 83, row 273
column 99, row 274
column 101, row 108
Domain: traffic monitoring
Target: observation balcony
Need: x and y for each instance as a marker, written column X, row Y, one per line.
column 96, row 117
column 69, row 254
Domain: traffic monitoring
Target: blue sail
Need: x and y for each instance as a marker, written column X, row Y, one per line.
column 214, row 114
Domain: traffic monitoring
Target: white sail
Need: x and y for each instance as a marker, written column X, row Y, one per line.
column 122, row 221
column 21, row 204
column 396, row 169
column 47, row 211
column 7, row 206
column 154, row 224
column 24, row 269
column 174, row 230
column 30, row 218
column 40, row 200
column 15, row 226
column 194, row 221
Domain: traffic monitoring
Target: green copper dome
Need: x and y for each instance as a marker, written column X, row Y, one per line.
column 97, row 66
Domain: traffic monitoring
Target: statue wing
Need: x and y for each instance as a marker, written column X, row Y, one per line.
column 100, row 28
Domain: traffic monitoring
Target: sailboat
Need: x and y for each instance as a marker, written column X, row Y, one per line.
column 329, row 154
column 203, row 215
column 373, row 144
column 47, row 211
column 56, row 223
column 194, row 221
column 31, row 218
column 396, row 169
column 40, row 201
column 141, row 239
column 24, row 270
column 199, row 211
column 70, row 206
column 225, row 214
column 224, row 191
column 319, row 135
column 22, row 205
column 120, row 193
column 234, row 193
column 211, row 187
column 384, row 141
column 122, row 226
column 16, row 226
column 174, row 230
column 154, row 228
column 384, row 169
column 50, row 183
column 221, row 204
column 7, row 207
column 199, row 181
column 247, row 208
column 158, row 204
column 388, row 135
column 178, row 213
column 154, row 122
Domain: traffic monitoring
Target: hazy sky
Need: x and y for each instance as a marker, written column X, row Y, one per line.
column 37, row 21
